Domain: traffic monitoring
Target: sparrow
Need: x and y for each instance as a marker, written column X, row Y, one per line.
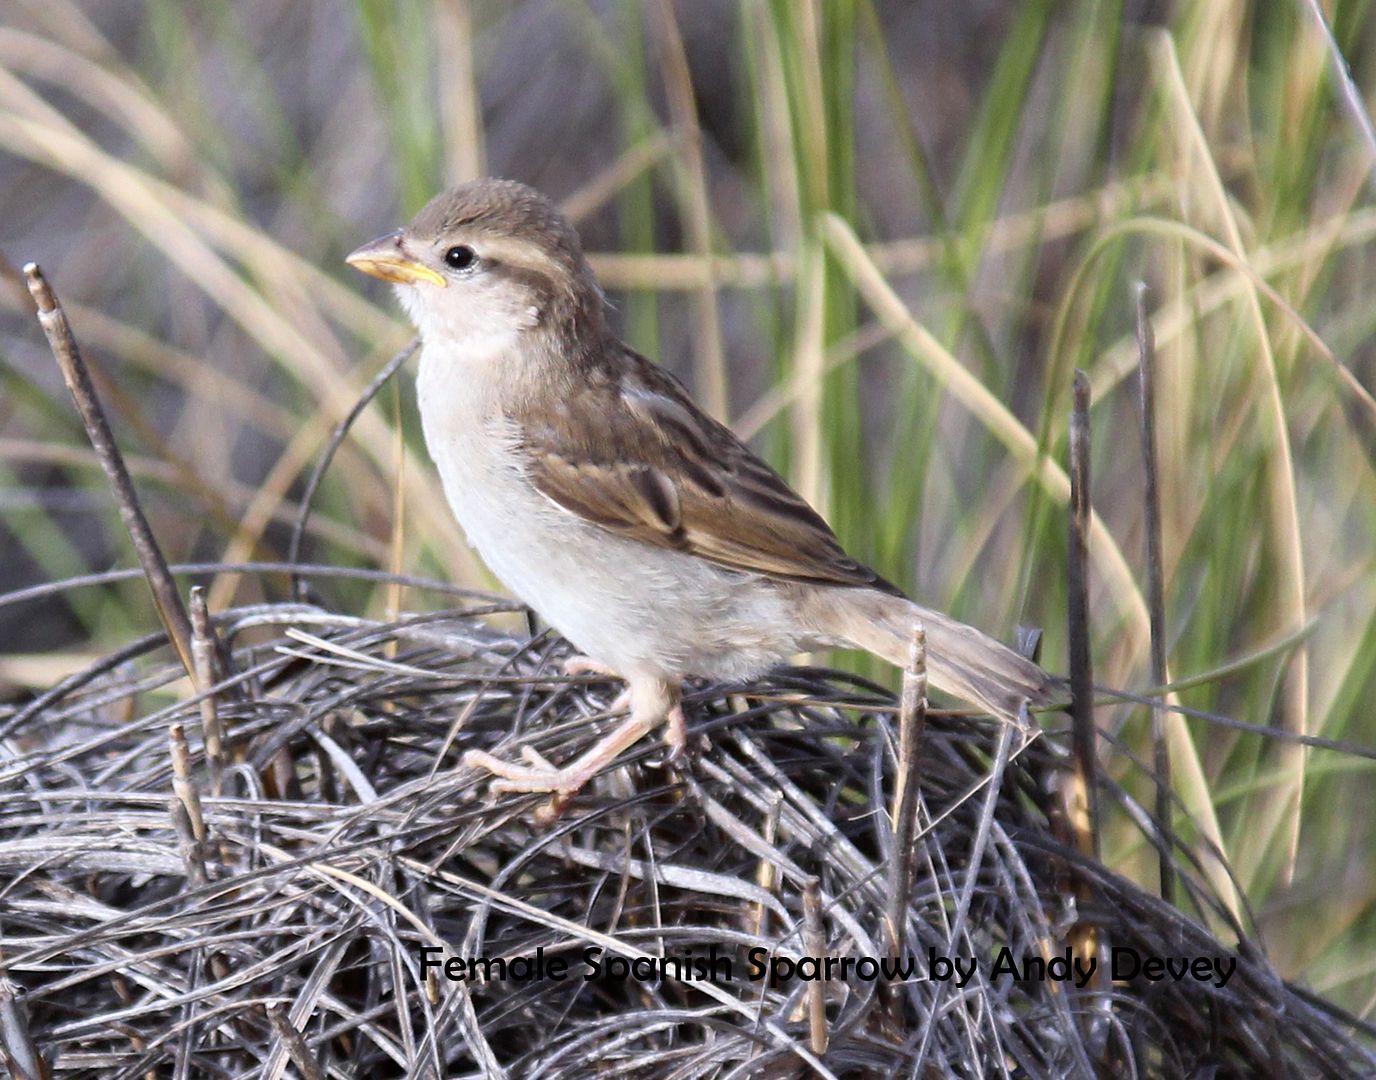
column 636, row 525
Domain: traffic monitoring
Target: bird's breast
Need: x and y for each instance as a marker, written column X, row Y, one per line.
column 630, row 605
column 473, row 443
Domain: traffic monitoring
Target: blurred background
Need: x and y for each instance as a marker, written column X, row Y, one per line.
column 876, row 236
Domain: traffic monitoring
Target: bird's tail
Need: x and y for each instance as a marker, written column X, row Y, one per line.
column 960, row 659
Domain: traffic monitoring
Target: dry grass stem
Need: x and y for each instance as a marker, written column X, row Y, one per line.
column 989, row 410
column 1284, row 809
column 710, row 366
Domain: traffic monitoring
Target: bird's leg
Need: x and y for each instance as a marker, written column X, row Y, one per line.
column 652, row 701
column 586, row 665
column 675, row 726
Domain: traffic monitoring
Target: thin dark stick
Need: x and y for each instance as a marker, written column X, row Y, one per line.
column 64, row 348
column 1156, row 590
column 1081, row 669
column 912, row 718
column 815, row 944
column 303, row 514
column 1083, row 809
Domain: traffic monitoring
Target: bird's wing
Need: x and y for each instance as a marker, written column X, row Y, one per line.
column 629, row 451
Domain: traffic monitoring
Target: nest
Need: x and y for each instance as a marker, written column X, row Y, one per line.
column 269, row 911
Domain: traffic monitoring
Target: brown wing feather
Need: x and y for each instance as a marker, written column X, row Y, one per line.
column 632, row 453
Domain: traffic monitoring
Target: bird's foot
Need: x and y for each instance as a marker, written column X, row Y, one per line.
column 586, row 665
column 538, row 774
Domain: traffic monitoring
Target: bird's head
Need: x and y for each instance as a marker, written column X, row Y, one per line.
column 488, row 261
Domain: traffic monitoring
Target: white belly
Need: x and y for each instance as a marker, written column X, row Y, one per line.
column 631, row 606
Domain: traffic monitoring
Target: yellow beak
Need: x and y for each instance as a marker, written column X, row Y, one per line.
column 384, row 258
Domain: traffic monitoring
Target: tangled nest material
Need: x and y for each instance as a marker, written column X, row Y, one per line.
column 345, row 837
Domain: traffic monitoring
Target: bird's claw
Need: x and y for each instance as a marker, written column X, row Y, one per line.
column 537, row 774
column 676, row 734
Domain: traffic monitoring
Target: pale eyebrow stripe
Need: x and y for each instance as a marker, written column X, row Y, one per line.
column 523, row 254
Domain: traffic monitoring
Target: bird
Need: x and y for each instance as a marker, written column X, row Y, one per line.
column 594, row 487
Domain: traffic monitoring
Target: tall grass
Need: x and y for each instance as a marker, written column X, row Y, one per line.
column 912, row 276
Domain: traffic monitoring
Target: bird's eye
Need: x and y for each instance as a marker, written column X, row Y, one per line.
column 460, row 257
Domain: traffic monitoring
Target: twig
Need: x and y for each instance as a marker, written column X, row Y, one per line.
column 187, row 817
column 120, row 985
column 599, row 190
column 205, row 654
column 64, row 348
column 691, row 177
column 298, row 587
column 188, row 821
column 1082, row 793
column 815, row 944
column 1081, row 669
column 182, row 784
column 912, row 718
column 187, row 845
column 1156, row 591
